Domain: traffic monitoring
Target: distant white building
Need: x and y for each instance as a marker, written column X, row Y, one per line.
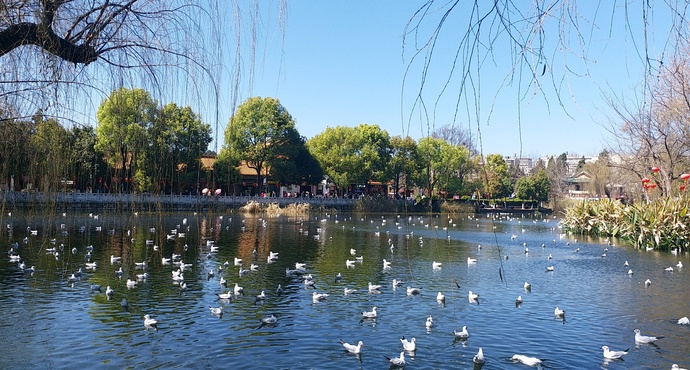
column 525, row 164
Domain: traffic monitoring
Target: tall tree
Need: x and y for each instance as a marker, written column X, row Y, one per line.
column 50, row 147
column 352, row 155
column 404, row 161
column 454, row 135
column 258, row 132
column 123, row 123
column 496, row 176
column 88, row 164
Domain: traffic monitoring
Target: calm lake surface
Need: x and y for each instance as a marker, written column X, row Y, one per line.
column 51, row 321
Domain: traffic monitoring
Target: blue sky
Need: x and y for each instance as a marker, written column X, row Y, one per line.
column 342, row 64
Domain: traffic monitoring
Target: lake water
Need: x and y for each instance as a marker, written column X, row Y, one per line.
column 49, row 321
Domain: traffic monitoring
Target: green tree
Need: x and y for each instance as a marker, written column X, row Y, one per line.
column 404, row 161
column 15, row 137
column 180, row 138
column 523, row 188
column 50, row 147
column 496, row 176
column 88, row 164
column 541, row 186
column 296, row 165
column 124, row 120
column 258, row 132
column 352, row 155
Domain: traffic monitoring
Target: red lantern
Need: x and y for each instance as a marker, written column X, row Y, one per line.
column 652, row 186
column 645, row 180
column 685, row 177
column 655, row 169
column 682, row 188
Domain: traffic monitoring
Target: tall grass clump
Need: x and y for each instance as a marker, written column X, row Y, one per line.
column 663, row 224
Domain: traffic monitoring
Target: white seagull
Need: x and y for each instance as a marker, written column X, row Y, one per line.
column 472, row 296
column 676, row 367
column 413, row 291
column 409, row 345
column 373, row 287
column 463, row 334
column 529, row 361
column 316, row 297
column 397, row 361
column 684, row 321
column 429, row 322
column 386, row 264
column 269, row 320
column 558, row 312
column 150, row 323
column 369, row 314
column 479, row 357
column 217, row 311
column 471, row 260
column 352, row 348
column 238, row 289
column 347, row 291
column 528, row 286
column 612, row 355
column 436, row 265
column 440, row 297
column 639, row 338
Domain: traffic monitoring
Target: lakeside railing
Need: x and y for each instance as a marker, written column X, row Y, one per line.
column 184, row 201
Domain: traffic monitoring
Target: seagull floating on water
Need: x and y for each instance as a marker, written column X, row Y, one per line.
column 676, row 367
column 440, row 297
column 558, row 312
column 347, row 291
column 479, row 357
column 463, row 334
column 684, row 321
column 369, row 314
column 647, row 283
column 316, row 297
column 269, row 320
column 397, row 361
column 472, row 296
column 150, row 323
column 471, row 260
column 413, row 291
column 528, row 286
column 217, row 311
column 356, row 349
column 639, row 338
column 409, row 345
column 429, row 322
column 436, row 265
column 373, row 287
column 529, row 361
column 612, row 355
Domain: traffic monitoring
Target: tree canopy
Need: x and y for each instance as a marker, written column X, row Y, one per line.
column 260, row 131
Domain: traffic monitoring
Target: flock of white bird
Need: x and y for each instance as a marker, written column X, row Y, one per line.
column 300, row 272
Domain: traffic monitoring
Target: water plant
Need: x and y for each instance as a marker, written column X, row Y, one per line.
column 662, row 224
